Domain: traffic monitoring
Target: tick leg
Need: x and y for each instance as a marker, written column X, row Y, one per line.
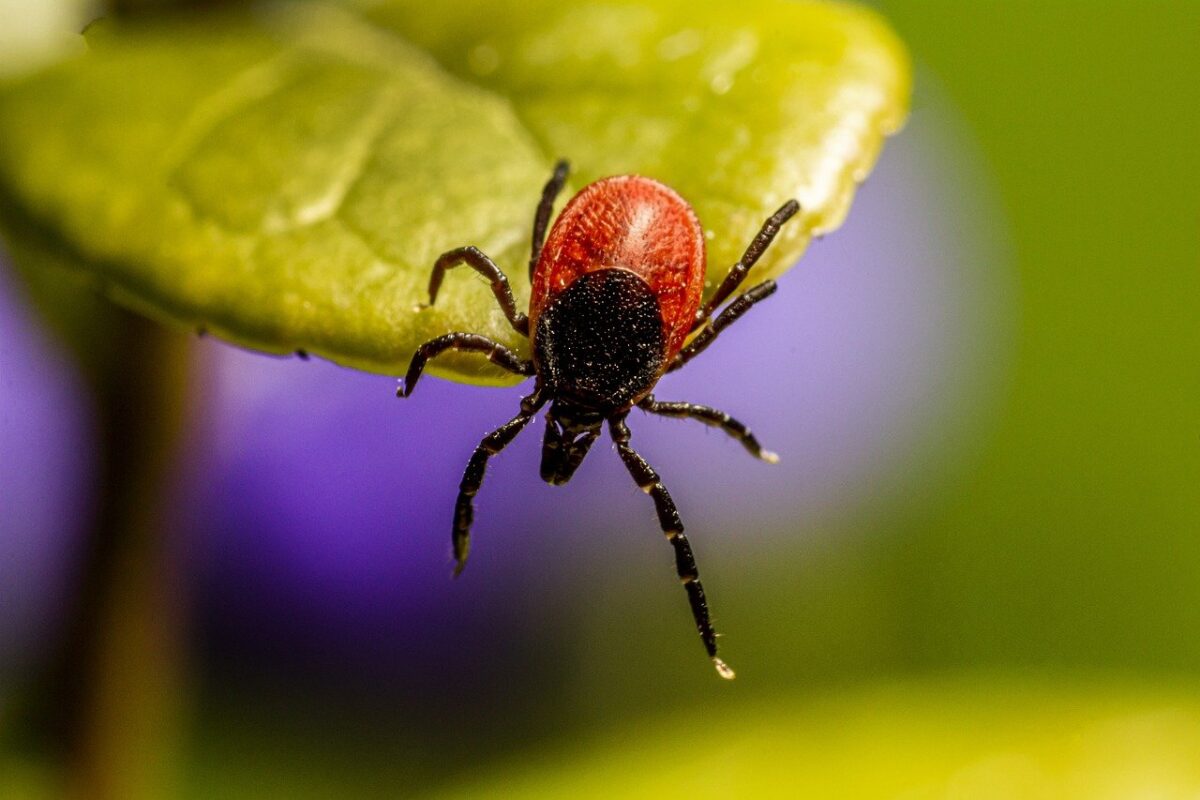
column 476, row 260
column 723, row 320
column 713, row 418
column 542, row 218
column 493, row 443
column 757, row 247
column 668, row 518
column 497, row 353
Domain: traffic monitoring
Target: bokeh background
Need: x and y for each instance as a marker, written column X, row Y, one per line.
column 975, row 572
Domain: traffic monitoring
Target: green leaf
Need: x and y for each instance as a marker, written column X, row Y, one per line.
column 285, row 178
column 978, row 737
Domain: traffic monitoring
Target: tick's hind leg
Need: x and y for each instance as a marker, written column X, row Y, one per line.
column 493, row 443
column 668, row 518
column 713, row 418
column 476, row 260
column 497, row 353
column 542, row 217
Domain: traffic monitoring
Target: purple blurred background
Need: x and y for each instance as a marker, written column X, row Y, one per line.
column 46, row 462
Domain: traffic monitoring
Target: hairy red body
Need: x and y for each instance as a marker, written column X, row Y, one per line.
column 637, row 224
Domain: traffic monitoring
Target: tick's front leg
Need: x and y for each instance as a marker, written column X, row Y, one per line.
column 493, row 443
column 497, row 353
column 541, row 218
column 476, row 260
column 737, row 273
column 668, row 517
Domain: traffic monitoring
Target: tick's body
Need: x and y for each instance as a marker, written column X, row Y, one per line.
column 635, row 224
column 616, row 293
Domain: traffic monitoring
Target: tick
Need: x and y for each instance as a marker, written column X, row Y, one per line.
column 616, row 296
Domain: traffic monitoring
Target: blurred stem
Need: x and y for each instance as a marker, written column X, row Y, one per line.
column 128, row 629
column 111, row 703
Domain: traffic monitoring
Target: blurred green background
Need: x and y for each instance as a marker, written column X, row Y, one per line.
column 1017, row 614
column 1071, row 541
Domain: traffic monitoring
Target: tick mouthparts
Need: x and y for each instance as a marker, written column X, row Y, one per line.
column 723, row 669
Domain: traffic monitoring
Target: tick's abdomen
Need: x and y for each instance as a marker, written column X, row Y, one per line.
column 599, row 342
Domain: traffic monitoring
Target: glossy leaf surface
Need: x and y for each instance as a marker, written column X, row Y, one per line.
column 285, row 178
